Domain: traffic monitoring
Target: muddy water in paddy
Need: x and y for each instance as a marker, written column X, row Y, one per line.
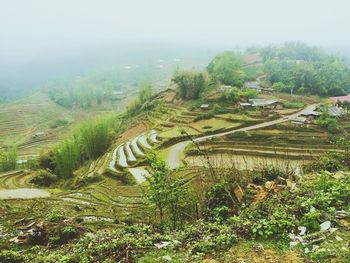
column 243, row 162
column 23, row 193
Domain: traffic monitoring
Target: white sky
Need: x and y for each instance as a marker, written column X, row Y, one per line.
column 32, row 27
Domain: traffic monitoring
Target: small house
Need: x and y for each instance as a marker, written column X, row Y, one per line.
column 336, row 111
column 299, row 120
column 310, row 114
column 117, row 92
column 254, row 85
column 245, row 105
column 39, row 134
column 204, row 107
column 266, row 104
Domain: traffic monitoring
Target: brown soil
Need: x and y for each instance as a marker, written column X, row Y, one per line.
column 132, row 132
column 261, row 255
column 169, row 96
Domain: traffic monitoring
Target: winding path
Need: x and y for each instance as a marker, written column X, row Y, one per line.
column 176, row 152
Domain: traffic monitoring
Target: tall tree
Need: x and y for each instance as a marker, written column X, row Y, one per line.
column 226, row 68
column 190, row 84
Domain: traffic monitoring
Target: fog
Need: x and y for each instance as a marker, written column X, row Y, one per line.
column 41, row 39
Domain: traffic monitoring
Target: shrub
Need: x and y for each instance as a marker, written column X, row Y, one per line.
column 219, row 202
column 44, row 178
column 7, row 256
column 86, row 180
column 311, row 220
column 8, row 160
column 294, row 104
column 47, row 160
column 271, row 172
column 330, row 162
column 63, row 234
column 55, row 216
column 58, row 123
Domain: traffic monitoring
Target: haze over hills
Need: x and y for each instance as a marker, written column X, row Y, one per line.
column 174, row 131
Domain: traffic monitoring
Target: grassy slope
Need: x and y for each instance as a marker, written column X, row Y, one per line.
column 37, row 113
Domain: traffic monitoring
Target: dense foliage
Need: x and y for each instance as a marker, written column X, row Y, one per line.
column 190, row 84
column 298, row 68
column 226, row 68
column 165, row 193
column 8, row 159
column 83, row 91
column 89, row 140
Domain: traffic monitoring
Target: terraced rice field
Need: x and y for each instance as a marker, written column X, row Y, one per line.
column 279, row 144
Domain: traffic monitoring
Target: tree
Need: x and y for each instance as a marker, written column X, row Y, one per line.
column 164, row 192
column 226, row 68
column 190, row 84
column 145, row 93
column 8, row 159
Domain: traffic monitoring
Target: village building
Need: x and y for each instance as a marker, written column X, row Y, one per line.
column 39, row 134
column 117, row 92
column 245, row 105
column 310, row 114
column 266, row 104
column 204, row 107
column 336, row 111
column 254, row 85
column 299, row 120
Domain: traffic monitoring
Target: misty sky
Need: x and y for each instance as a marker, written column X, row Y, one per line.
column 32, row 27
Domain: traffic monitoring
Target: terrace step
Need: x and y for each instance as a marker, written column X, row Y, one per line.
column 143, row 141
column 122, row 160
column 136, row 148
column 130, row 154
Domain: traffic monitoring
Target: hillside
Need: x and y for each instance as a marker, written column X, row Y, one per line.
column 217, row 168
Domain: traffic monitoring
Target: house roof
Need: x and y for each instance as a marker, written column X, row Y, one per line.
column 310, row 112
column 336, row 111
column 252, row 85
column 262, row 102
column 340, row 98
column 245, row 104
column 298, row 119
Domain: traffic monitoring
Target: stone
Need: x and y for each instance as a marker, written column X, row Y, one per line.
column 167, row 258
column 293, row 243
column 162, row 244
column 238, row 193
column 269, row 185
column 302, row 230
column 325, row 226
column 338, row 238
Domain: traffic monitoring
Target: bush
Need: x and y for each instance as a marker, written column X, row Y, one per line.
column 63, row 234
column 330, row 162
column 86, row 180
column 294, row 105
column 8, row 256
column 58, row 123
column 311, row 221
column 328, row 122
column 219, row 202
column 44, row 178
column 271, row 172
column 8, row 160
column 56, row 216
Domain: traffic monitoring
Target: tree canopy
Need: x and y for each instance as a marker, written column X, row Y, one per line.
column 305, row 70
column 226, row 68
column 190, row 84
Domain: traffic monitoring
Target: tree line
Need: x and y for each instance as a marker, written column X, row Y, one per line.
column 293, row 67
